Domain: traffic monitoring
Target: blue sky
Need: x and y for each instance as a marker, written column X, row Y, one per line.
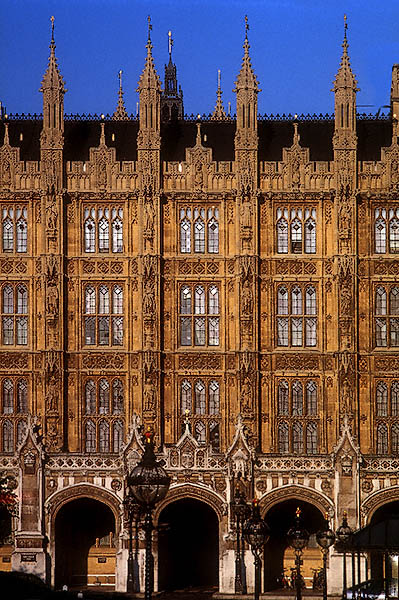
column 295, row 50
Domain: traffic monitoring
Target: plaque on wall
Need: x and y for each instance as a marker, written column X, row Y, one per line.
column 25, row 557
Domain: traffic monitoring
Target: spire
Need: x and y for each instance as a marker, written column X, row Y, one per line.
column 218, row 112
column 6, row 141
column 170, row 45
column 149, row 78
column 345, row 77
column 172, row 96
column 52, row 78
column 120, row 113
column 395, row 92
column 246, row 78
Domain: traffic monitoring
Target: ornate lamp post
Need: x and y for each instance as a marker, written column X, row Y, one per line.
column 298, row 539
column 133, row 511
column 148, row 483
column 256, row 532
column 240, row 510
column 325, row 538
column 344, row 535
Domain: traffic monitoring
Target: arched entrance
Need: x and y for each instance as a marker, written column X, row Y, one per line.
column 279, row 558
column 84, row 544
column 188, row 545
column 384, row 564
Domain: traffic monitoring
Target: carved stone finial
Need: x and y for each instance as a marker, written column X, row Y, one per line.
column 219, row 112
column 120, row 113
column 149, row 78
column 170, row 44
column 345, row 78
column 6, row 141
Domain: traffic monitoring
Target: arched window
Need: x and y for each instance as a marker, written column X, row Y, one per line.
column 22, row 396
column 283, row 405
column 213, row 300
column 199, row 230
column 8, row 235
column 118, row 436
column 90, row 235
column 382, row 439
column 214, row 400
column 117, row 235
column 213, row 235
column 311, row 438
column 22, row 235
column 8, row 437
column 185, row 235
column 297, row 399
column 311, row 398
column 199, row 322
column 394, row 235
column 395, row 399
column 21, row 431
column 283, row 438
column 8, row 397
column 185, row 300
column 296, row 236
column 380, row 333
column 296, row 300
column 382, row 399
column 90, row 437
column 380, row 233
column 310, row 301
column 199, row 302
column 117, row 300
column 395, row 438
column 103, row 235
column 186, row 399
column 394, row 301
column 103, row 432
column 103, row 300
column 282, row 236
column 90, row 300
column 22, row 299
column 310, row 236
column 282, row 301
column 200, row 400
column 214, row 439
column 380, row 301
column 8, row 299
column 200, row 432
column 103, row 397
column 90, row 397
column 117, row 397
column 297, row 438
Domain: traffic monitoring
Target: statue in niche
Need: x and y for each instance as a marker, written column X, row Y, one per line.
column 52, row 301
column 246, row 213
column 149, row 398
column 198, row 176
column 247, row 302
column 246, row 394
column 51, row 209
column 347, row 396
column 149, row 302
column 6, row 173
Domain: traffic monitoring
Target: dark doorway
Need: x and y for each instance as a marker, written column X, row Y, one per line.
column 188, row 547
column 280, row 519
column 79, row 526
column 384, row 565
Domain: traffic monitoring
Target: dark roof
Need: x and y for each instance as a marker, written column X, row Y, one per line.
column 176, row 136
column 382, row 536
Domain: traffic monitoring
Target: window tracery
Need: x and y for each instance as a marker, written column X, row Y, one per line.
column 104, row 410
column 387, row 416
column 296, row 315
column 386, row 316
column 296, row 230
column 14, row 308
column 297, row 416
column 14, row 229
column 199, row 229
column 199, row 315
column 103, row 229
column 14, row 412
column 103, row 315
column 200, row 403
column 386, row 230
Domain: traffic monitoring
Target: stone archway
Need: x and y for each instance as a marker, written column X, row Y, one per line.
column 278, row 509
column 192, row 491
column 83, row 516
column 188, row 545
column 378, row 500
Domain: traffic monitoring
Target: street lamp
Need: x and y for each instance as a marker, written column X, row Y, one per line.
column 240, row 510
column 148, row 483
column 133, row 511
column 256, row 532
column 298, row 539
column 325, row 538
column 344, row 535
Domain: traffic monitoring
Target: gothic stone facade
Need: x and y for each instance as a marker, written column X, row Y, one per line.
column 233, row 279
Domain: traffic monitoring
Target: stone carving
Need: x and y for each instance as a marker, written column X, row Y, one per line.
column 13, row 360
column 51, row 210
column 103, row 360
column 149, row 217
column 296, row 362
column 200, row 361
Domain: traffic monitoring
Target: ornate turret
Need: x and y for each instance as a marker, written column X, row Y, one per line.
column 120, row 113
column 53, row 88
column 149, row 88
column 247, row 88
column 172, row 97
column 395, row 93
column 218, row 112
column 345, row 88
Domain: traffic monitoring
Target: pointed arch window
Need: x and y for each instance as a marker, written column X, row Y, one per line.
column 90, row 436
column 90, row 397
column 103, row 431
column 386, row 316
column 297, row 399
column 311, row 398
column 395, row 399
column 8, row 436
column 290, row 328
column 14, row 229
column 199, row 324
column 283, row 402
column 395, row 438
column 311, row 438
column 283, row 438
column 380, row 231
column 297, row 438
column 381, row 301
column 186, row 397
column 214, row 436
column 97, row 223
column 22, row 396
column 214, row 398
column 382, row 438
column 8, row 397
column 117, row 436
column 200, row 401
column 382, row 399
column 296, row 234
column 15, row 314
column 394, row 233
column 310, row 236
column 103, row 323
column 117, row 397
column 200, row 432
column 21, row 431
column 301, row 224
column 199, row 229
column 103, row 404
column 282, row 231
